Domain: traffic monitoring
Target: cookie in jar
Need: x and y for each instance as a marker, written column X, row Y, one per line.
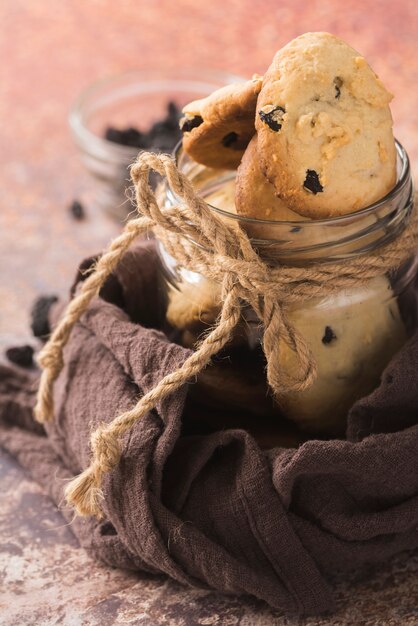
column 321, row 181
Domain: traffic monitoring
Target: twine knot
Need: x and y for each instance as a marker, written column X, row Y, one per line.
column 201, row 241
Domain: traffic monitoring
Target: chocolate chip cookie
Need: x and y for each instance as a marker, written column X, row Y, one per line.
column 255, row 196
column 324, row 128
column 217, row 129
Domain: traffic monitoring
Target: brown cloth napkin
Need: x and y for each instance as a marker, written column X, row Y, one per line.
column 215, row 510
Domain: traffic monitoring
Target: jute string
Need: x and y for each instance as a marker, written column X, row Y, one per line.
column 224, row 254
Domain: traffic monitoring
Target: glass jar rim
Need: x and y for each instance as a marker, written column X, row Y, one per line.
column 136, row 81
column 402, row 180
column 306, row 241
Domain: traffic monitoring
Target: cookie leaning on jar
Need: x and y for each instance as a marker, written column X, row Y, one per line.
column 216, row 132
column 330, row 105
column 217, row 129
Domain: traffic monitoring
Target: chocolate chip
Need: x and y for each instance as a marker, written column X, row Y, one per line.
column 312, row 183
column 229, row 140
column 272, row 116
column 329, row 335
column 338, row 84
column 77, row 210
column 188, row 123
column 21, row 355
column 39, row 316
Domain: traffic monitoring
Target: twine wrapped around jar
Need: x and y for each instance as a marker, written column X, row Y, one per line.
column 223, row 254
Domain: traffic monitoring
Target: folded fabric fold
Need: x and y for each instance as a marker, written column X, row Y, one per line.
column 215, row 510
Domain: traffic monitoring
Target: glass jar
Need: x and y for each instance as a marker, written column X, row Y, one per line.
column 133, row 99
column 353, row 334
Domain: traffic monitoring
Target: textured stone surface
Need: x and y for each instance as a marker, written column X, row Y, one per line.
column 45, row 578
column 50, row 51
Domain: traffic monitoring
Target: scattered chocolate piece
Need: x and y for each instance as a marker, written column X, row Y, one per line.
column 329, row 335
column 77, row 210
column 338, row 84
column 229, row 140
column 107, row 528
column 312, row 183
column 21, row 355
column 188, row 123
column 39, row 316
column 272, row 116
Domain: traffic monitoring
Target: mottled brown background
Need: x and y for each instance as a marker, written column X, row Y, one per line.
column 49, row 51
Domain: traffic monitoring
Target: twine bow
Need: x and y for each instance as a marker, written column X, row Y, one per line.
column 200, row 240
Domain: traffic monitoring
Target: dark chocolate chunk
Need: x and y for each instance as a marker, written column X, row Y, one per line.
column 164, row 135
column 77, row 210
column 113, row 134
column 39, row 316
column 188, row 123
column 229, row 140
column 163, row 127
column 173, row 114
column 21, row 355
column 130, row 137
column 312, row 183
column 338, row 84
column 164, row 141
column 273, row 118
column 329, row 335
column 161, row 136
